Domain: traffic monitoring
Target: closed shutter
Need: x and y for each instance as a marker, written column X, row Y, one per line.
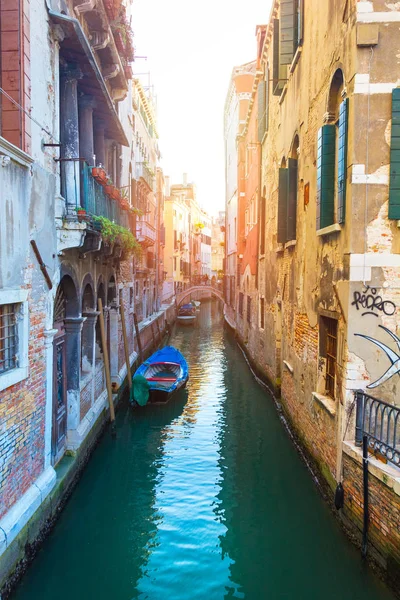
column 292, row 200
column 326, row 176
column 277, row 83
column 342, row 159
column 261, row 110
column 300, row 21
column 288, row 31
column 394, row 190
column 267, row 77
column 282, row 205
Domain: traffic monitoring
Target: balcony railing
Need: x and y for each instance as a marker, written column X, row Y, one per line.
column 96, row 202
column 143, row 172
column 380, row 422
column 145, row 233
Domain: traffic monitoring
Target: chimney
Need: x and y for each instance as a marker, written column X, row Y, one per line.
column 167, row 187
column 185, row 179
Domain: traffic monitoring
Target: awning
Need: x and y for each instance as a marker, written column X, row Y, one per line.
column 76, row 48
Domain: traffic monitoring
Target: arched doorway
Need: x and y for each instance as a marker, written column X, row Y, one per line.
column 65, row 306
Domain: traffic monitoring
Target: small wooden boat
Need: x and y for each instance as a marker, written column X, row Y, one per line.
column 165, row 372
column 186, row 314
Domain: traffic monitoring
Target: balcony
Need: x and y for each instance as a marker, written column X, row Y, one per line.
column 96, row 202
column 145, row 233
column 144, row 173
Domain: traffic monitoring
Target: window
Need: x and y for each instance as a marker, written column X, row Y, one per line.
column 332, row 158
column 248, row 310
column 262, row 219
column 241, row 299
column 288, row 36
column 136, row 289
column 131, row 296
column 262, row 313
column 328, row 350
column 14, row 323
column 394, row 190
column 287, row 202
column 8, row 337
column 174, row 263
column 263, row 102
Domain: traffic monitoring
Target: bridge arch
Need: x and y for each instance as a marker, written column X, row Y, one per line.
column 199, row 288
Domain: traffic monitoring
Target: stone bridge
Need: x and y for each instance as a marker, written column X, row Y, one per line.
column 185, row 294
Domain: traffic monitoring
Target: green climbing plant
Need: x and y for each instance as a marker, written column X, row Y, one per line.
column 116, row 234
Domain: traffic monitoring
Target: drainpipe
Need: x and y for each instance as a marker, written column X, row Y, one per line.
column 366, row 508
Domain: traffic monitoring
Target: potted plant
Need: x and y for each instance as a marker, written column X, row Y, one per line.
column 81, row 213
column 100, row 175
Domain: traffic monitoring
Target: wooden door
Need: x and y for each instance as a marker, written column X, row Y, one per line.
column 59, row 397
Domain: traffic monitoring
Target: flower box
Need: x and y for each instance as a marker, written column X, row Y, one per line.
column 124, row 204
column 100, row 175
column 109, row 189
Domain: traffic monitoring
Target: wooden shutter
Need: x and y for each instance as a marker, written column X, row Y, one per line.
column 277, row 83
column 326, row 175
column 287, row 31
column 267, row 77
column 300, row 22
column 261, row 110
column 282, row 205
column 394, row 190
column 342, row 160
column 292, row 200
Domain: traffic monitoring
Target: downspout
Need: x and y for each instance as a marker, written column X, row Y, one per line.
column 92, row 60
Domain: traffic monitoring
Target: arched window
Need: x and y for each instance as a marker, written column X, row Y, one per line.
column 332, row 157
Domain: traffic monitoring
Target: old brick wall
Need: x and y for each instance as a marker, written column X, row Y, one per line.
column 22, row 416
column 384, row 509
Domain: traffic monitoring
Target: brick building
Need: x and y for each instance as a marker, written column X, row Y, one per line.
column 327, row 287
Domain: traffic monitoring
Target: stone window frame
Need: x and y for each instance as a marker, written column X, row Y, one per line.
column 19, row 297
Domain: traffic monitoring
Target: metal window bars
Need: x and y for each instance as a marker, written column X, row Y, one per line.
column 8, row 337
column 380, row 422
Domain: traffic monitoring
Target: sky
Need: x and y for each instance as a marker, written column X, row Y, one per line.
column 191, row 49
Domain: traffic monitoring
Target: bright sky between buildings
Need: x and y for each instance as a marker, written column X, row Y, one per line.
column 191, row 48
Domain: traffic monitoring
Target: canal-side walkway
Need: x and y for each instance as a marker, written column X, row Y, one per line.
column 204, row 498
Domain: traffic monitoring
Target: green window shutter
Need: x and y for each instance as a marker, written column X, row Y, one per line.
column 282, row 205
column 342, row 159
column 300, row 22
column 292, row 200
column 394, row 189
column 326, row 176
column 261, row 110
column 277, row 82
column 288, row 31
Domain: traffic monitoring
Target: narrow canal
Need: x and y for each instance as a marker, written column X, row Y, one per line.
column 205, row 498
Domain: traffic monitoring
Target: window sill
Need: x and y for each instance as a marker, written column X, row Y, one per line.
column 15, row 153
column 283, row 94
column 13, row 377
column 296, row 59
column 327, row 403
column 335, row 228
column 289, row 367
column 290, row 244
column 279, row 248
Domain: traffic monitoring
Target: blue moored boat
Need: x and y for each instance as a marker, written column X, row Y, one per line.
column 165, row 372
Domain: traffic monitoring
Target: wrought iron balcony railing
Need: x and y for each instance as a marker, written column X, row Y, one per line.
column 96, row 202
column 145, row 233
column 380, row 422
column 145, row 173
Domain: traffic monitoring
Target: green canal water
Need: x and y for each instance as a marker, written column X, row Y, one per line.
column 205, row 498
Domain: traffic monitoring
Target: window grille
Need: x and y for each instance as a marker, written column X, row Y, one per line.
column 241, row 297
column 8, row 337
column 248, row 309
column 331, row 355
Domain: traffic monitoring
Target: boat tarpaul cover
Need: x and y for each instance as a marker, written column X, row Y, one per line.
column 140, row 390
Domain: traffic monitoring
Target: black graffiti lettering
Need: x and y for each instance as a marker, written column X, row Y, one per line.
column 371, row 303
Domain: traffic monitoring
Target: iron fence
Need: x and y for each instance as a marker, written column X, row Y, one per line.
column 380, row 422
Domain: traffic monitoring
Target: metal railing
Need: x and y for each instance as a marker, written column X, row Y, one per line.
column 380, row 422
column 96, row 202
column 144, row 172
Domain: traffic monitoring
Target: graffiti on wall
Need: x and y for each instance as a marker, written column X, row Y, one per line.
column 394, row 358
column 371, row 303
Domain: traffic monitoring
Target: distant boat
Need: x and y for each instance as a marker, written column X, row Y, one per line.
column 165, row 372
column 187, row 314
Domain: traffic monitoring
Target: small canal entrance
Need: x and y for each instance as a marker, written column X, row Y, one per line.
column 203, row 498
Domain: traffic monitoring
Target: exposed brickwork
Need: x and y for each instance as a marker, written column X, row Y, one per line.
column 22, row 419
column 384, row 508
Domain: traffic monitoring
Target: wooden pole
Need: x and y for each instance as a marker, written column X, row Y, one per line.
column 106, row 363
column 139, row 341
column 126, row 347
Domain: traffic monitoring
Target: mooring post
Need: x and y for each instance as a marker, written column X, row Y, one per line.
column 106, row 365
column 139, row 341
column 366, row 508
column 126, row 347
